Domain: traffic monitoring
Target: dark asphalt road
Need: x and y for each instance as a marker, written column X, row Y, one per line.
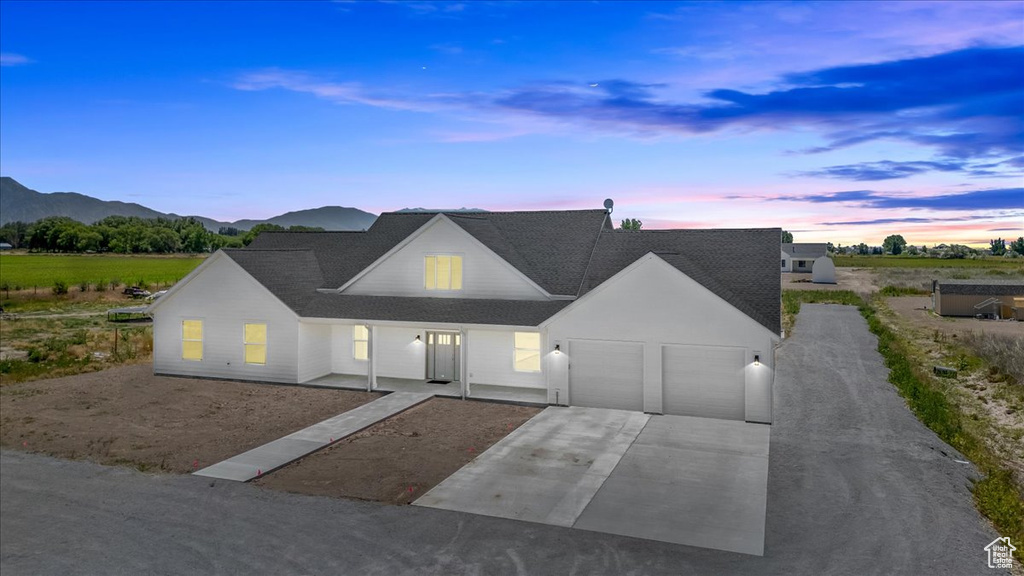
column 856, row 486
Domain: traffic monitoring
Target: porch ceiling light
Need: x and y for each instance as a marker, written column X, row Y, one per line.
column 757, row 360
column 558, row 349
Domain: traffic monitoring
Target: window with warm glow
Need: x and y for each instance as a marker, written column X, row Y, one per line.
column 527, row 352
column 192, row 340
column 360, row 342
column 255, row 344
column 442, row 272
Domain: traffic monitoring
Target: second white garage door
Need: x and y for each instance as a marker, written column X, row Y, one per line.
column 605, row 374
column 705, row 381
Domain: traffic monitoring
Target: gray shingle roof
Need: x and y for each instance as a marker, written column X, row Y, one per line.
column 564, row 252
column 294, row 276
column 982, row 287
column 739, row 265
column 805, row 250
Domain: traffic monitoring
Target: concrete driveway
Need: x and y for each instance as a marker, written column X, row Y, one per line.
column 678, row 479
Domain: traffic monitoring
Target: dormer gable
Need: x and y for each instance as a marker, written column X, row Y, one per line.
column 442, row 260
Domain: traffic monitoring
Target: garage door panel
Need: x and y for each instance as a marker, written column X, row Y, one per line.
column 704, row 381
column 606, row 374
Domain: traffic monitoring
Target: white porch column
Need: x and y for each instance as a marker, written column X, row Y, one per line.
column 463, row 363
column 371, row 368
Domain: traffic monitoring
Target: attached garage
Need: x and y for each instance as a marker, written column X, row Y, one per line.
column 606, row 374
column 706, row 381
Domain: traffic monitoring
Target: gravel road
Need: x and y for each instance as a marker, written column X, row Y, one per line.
column 856, row 486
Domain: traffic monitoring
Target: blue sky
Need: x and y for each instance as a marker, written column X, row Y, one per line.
column 842, row 122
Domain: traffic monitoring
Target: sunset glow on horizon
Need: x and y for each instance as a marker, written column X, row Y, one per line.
column 841, row 122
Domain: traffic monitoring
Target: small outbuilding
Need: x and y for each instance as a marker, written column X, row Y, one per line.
column 801, row 257
column 989, row 298
column 824, row 271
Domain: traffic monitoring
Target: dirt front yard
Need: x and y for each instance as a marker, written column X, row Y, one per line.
column 128, row 416
column 399, row 459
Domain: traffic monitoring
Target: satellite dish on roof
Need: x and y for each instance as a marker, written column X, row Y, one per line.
column 608, row 204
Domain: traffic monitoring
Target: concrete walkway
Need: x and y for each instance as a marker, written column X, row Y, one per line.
column 282, row 451
column 679, row 479
column 547, row 471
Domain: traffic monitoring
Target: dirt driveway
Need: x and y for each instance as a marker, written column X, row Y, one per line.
column 128, row 416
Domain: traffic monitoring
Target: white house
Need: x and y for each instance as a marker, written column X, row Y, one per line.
column 801, row 257
column 552, row 307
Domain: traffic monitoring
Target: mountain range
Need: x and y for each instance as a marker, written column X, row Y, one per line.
column 18, row 202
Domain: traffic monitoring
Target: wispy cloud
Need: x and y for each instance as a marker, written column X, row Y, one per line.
column 337, row 92
column 964, row 103
column 12, row 59
column 912, row 220
column 995, row 199
column 890, row 170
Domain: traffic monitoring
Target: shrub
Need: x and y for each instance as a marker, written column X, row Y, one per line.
column 83, row 286
column 79, row 337
column 101, row 286
column 35, row 355
column 60, row 287
column 903, row 291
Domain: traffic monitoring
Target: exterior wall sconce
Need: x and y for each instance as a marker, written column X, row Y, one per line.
column 418, row 338
column 558, row 349
column 757, row 360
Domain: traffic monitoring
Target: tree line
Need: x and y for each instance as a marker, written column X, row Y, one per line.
column 129, row 235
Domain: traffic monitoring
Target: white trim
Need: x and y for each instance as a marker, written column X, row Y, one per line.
column 188, row 278
column 182, row 340
column 439, row 218
column 640, row 261
column 540, row 346
column 219, row 254
column 443, row 326
column 266, row 342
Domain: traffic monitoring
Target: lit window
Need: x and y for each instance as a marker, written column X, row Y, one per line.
column 192, row 340
column 360, row 342
column 442, row 272
column 255, row 344
column 527, row 352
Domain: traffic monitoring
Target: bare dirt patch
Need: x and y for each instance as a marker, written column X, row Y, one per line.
column 399, row 459
column 128, row 416
column 918, row 311
column 859, row 280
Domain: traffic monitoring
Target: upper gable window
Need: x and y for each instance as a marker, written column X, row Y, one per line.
column 442, row 272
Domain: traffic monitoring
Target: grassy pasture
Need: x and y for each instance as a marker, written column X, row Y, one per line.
column 42, row 270
column 992, row 262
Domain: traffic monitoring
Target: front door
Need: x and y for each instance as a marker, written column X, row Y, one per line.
column 443, row 356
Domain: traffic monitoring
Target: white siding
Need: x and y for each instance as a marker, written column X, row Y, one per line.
column 398, row 353
column 342, row 360
column 655, row 304
column 490, row 360
column 485, row 275
column 314, row 351
column 225, row 297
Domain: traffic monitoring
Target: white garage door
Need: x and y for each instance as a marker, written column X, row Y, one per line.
column 606, row 374
column 703, row 381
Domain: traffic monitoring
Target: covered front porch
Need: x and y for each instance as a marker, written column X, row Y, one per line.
column 446, row 390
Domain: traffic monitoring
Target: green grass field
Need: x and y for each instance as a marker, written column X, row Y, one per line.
column 42, row 270
column 922, row 262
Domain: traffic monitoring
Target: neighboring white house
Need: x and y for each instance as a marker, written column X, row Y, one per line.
column 550, row 307
column 801, row 257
